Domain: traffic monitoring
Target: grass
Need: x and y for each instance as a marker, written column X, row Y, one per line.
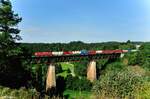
column 77, row 94
column 63, row 74
column 65, row 67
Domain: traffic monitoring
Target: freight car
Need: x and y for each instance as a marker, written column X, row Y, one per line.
column 39, row 54
column 82, row 52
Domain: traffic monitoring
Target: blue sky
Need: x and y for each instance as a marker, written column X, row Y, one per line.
column 84, row 20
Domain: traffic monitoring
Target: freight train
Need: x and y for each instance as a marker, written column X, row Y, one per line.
column 82, row 52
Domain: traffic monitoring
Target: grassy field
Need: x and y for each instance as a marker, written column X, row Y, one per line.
column 65, row 67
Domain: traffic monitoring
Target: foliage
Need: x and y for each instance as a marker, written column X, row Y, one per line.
column 100, row 66
column 39, row 72
column 67, row 69
column 118, row 81
column 8, row 31
column 74, row 83
column 115, row 67
column 72, row 94
column 81, row 68
column 145, row 52
column 135, row 58
column 58, row 68
column 22, row 93
column 77, row 45
column 100, row 63
column 12, row 71
column 144, row 91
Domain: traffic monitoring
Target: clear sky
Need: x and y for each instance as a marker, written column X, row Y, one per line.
column 84, row 20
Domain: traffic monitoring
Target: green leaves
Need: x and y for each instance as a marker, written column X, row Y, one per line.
column 9, row 33
column 118, row 83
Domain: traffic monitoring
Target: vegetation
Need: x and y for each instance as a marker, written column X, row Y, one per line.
column 119, row 81
column 77, row 45
column 128, row 77
column 10, row 65
column 80, row 84
column 72, row 94
column 22, row 93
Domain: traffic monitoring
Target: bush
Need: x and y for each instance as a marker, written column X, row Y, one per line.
column 21, row 93
column 136, row 58
column 144, row 91
column 115, row 67
column 74, row 83
column 146, row 65
column 117, row 82
column 81, row 68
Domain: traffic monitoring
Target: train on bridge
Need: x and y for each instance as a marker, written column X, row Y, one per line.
column 82, row 52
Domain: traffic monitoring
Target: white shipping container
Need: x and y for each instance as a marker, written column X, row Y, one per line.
column 76, row 52
column 99, row 51
column 125, row 51
column 57, row 53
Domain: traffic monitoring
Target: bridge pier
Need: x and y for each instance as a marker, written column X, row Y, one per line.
column 91, row 71
column 51, row 78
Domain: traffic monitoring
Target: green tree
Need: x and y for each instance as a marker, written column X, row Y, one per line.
column 128, row 42
column 75, row 83
column 12, row 72
column 8, row 30
column 81, row 68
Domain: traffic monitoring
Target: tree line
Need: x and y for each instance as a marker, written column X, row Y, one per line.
column 77, row 45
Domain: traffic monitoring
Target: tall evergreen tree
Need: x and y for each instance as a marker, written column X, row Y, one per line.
column 11, row 70
column 9, row 32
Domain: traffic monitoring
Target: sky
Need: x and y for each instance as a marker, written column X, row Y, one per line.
column 50, row 21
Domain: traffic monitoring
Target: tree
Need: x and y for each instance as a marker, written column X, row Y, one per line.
column 12, row 72
column 8, row 30
column 81, row 68
column 128, row 41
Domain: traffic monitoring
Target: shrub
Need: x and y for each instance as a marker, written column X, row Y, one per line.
column 81, row 68
column 144, row 91
column 74, row 83
column 115, row 67
column 21, row 93
column 118, row 81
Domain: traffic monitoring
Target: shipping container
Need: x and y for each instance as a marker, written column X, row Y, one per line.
column 118, row 51
column 91, row 52
column 98, row 51
column 68, row 53
column 57, row 53
column 107, row 51
column 76, row 52
column 43, row 54
column 84, row 52
column 125, row 51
